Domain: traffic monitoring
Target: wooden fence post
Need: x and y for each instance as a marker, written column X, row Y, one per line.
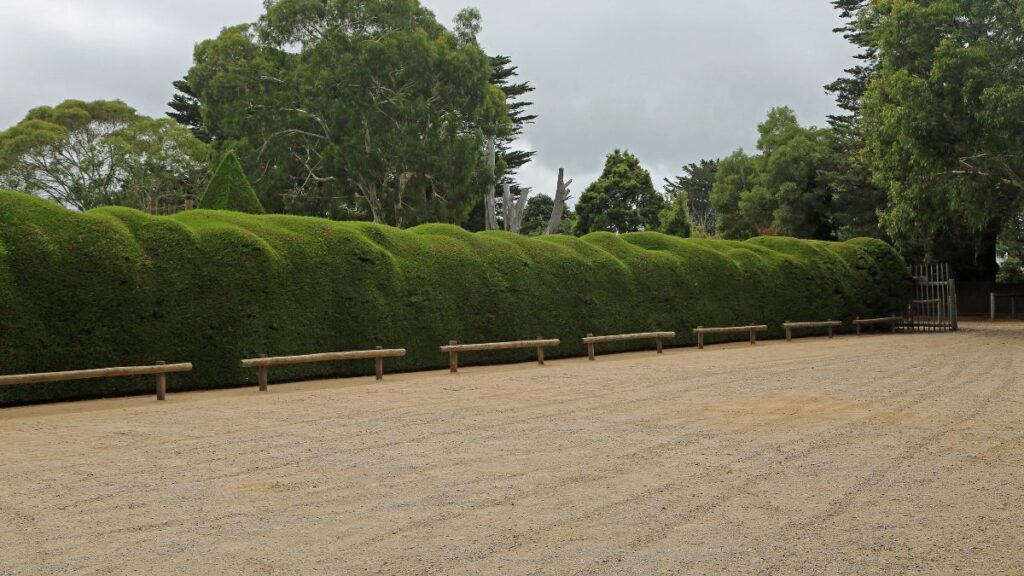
column 453, row 358
column 590, row 347
column 857, row 325
column 753, row 335
column 540, row 353
column 658, row 341
column 700, row 338
column 380, row 365
column 789, row 332
column 161, row 383
column 263, row 375
column 830, row 330
column 992, row 306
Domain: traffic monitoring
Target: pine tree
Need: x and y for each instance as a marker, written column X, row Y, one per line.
column 187, row 109
column 229, row 189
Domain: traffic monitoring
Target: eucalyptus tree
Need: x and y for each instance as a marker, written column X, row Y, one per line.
column 89, row 154
column 352, row 108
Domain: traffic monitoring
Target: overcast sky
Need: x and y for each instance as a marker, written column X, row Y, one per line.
column 673, row 81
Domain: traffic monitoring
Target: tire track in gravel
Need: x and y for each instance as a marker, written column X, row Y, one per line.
column 547, row 490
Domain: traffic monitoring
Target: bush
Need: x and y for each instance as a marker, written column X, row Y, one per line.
column 229, row 189
column 114, row 286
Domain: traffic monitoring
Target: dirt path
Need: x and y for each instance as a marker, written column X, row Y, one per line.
column 872, row 455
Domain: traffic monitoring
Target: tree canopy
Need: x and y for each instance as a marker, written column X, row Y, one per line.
column 943, row 121
column 353, row 108
column 695, row 184
column 88, row 154
column 623, row 199
column 781, row 191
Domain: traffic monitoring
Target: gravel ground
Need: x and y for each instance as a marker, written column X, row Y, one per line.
column 886, row 454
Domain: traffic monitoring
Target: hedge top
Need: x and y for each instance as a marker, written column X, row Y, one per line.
column 115, row 286
column 229, row 189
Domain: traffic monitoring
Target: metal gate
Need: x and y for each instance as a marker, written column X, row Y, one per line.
column 934, row 306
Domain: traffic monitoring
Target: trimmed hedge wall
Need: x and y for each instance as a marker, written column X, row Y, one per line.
column 114, row 286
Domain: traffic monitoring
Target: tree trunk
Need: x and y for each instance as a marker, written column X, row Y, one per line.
column 561, row 197
column 490, row 209
column 376, row 208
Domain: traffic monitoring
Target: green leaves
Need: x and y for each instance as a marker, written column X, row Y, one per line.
column 87, row 154
column 352, row 109
column 782, row 191
column 944, row 118
column 230, row 190
column 623, row 199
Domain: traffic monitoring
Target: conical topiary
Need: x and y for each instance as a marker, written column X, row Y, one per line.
column 230, row 190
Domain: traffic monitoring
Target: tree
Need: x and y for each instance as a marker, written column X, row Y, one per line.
column 675, row 217
column 943, row 118
column 88, row 154
column 502, row 158
column 230, row 190
column 353, row 108
column 782, row 191
column 623, row 199
column 734, row 179
column 695, row 184
column 187, row 109
column 538, row 214
column 856, row 199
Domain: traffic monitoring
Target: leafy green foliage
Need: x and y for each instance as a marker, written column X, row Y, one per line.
column 623, row 199
column 538, row 214
column 695, row 184
column 781, row 191
column 353, row 109
column 88, row 154
column 187, row 109
column 212, row 287
column 943, row 121
column 675, row 217
column 230, row 190
column 1011, row 271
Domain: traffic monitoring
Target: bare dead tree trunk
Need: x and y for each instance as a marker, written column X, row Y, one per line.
column 562, row 195
column 517, row 223
column 490, row 210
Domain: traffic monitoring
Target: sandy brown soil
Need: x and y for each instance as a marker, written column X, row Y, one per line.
column 873, row 455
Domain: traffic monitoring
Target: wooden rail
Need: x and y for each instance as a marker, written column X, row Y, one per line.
column 658, row 337
column 1013, row 304
column 263, row 363
column 160, row 369
column 866, row 321
column 453, row 348
column 790, row 326
column 700, row 331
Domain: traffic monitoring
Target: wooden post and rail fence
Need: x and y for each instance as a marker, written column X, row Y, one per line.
column 893, row 320
column 160, row 370
column 1013, row 304
column 454, row 348
column 590, row 340
column 790, row 326
column 753, row 329
column 263, row 363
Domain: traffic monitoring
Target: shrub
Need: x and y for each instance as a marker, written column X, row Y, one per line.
column 229, row 189
column 114, row 286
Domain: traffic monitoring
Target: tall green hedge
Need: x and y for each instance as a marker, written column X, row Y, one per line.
column 114, row 286
column 229, row 189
